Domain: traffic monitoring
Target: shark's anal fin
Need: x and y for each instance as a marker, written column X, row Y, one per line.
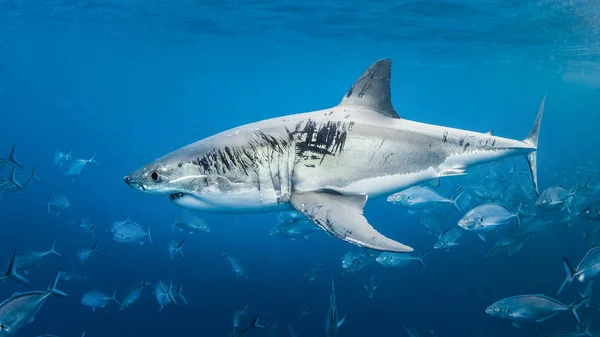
column 372, row 90
column 342, row 216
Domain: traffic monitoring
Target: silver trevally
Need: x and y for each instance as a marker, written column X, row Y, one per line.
column 61, row 157
column 448, row 238
column 332, row 321
column 422, row 198
column 191, row 223
column 21, row 308
column 236, row 267
column 553, row 197
column 293, row 225
column 243, row 332
column 97, row 299
column 488, row 217
column 588, row 268
column 27, row 259
column 164, row 294
column 326, row 163
column 10, row 159
column 78, row 164
column 535, row 307
column 236, row 317
column 591, row 211
column 132, row 233
column 84, row 253
column 133, row 295
column 58, row 203
column 396, row 260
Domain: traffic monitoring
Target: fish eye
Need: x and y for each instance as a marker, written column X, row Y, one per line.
column 543, row 201
column 496, row 310
column 154, row 176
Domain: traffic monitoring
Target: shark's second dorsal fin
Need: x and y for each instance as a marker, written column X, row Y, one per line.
column 372, row 90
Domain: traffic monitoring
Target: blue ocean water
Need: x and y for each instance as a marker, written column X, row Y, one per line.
column 134, row 80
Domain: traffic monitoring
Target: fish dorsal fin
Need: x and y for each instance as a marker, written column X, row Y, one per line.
column 372, row 90
column 490, row 131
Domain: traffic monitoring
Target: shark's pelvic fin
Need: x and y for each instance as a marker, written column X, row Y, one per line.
column 342, row 216
column 532, row 139
column 372, row 90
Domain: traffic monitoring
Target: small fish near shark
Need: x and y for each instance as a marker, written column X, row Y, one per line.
column 327, row 163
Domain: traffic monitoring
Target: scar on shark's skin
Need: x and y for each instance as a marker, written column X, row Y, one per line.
column 300, row 162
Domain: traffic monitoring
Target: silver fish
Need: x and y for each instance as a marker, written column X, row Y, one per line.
column 447, row 239
column 236, row 267
column 294, row 226
column 536, row 308
column 191, row 223
column 422, row 198
column 332, row 323
column 21, row 308
column 164, row 294
column 396, row 260
column 58, row 203
column 588, row 268
column 97, row 299
column 60, row 157
column 132, row 233
column 372, row 285
column 553, row 197
column 85, row 253
column 488, row 217
column 78, row 164
column 133, row 295
column 236, row 317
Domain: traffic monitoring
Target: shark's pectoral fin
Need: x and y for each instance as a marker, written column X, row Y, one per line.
column 342, row 216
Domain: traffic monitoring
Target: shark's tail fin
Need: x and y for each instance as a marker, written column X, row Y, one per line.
column 532, row 139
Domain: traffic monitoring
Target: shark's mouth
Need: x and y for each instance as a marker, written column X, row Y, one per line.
column 176, row 196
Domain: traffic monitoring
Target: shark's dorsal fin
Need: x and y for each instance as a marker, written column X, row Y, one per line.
column 372, row 90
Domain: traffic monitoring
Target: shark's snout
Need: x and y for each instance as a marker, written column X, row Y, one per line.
column 134, row 183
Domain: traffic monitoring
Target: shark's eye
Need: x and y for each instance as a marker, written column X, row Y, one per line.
column 154, row 176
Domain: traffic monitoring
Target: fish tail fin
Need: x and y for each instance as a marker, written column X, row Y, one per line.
column 587, row 293
column 145, row 283
column 339, row 324
column 68, row 157
column 114, row 297
column 179, row 248
column 179, row 294
column 420, row 258
column 12, row 272
column 223, row 254
column 83, row 334
column 455, row 199
column 52, row 250
column 517, row 214
column 52, row 287
column 93, row 159
column 170, row 293
column 12, row 158
column 574, row 306
column 532, row 139
column 34, row 174
column 95, row 248
column 13, row 180
column 255, row 323
column 149, row 236
column 570, row 275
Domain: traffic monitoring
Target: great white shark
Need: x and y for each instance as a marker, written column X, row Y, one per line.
column 326, row 163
